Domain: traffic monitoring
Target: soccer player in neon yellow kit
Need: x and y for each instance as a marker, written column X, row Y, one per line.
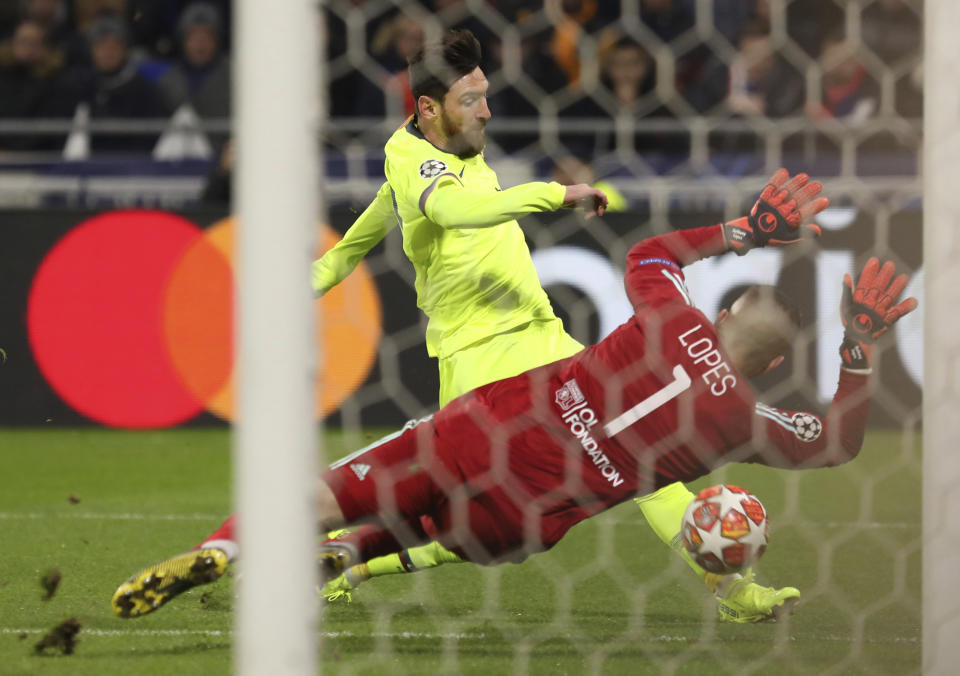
column 488, row 316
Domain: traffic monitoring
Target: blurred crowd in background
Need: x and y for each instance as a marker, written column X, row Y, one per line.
column 808, row 59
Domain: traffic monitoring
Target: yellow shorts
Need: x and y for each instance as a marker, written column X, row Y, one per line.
column 504, row 355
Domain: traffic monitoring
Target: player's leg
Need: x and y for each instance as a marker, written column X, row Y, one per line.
column 663, row 510
column 410, row 560
column 492, row 529
column 390, row 483
column 152, row 587
column 155, row 585
column 501, row 356
column 739, row 598
column 373, row 545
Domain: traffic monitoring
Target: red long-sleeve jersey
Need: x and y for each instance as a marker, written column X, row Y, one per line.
column 507, row 469
column 657, row 401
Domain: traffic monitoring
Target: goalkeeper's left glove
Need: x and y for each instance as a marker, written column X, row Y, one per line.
column 778, row 216
column 868, row 311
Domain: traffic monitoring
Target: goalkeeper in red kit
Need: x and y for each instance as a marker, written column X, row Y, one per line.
column 504, row 471
column 507, row 469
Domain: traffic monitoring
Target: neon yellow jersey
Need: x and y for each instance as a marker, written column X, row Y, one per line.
column 474, row 274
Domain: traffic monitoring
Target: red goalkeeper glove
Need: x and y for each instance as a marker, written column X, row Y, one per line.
column 777, row 219
column 868, row 311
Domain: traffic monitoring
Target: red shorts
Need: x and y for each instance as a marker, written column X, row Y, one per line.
column 483, row 515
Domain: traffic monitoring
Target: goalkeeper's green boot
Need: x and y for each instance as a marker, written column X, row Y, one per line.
column 153, row 586
column 745, row 601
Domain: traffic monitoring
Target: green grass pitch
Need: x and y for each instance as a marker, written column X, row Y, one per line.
column 609, row 599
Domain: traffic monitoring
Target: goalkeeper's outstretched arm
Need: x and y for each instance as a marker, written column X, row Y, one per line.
column 778, row 218
column 366, row 232
column 800, row 439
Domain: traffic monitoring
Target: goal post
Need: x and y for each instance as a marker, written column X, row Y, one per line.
column 276, row 191
column 941, row 400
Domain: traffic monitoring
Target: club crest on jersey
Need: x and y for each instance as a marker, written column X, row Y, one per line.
column 579, row 418
column 432, row 168
column 569, row 395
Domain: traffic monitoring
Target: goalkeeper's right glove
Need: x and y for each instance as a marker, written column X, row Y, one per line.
column 868, row 311
column 778, row 216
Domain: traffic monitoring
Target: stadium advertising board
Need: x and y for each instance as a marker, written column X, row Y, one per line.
column 124, row 318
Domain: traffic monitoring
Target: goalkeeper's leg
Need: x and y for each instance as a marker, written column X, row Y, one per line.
column 410, row 560
column 739, row 599
column 381, row 552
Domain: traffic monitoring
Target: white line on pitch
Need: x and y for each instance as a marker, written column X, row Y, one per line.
column 128, row 632
column 227, row 633
column 112, row 516
column 133, row 516
column 663, row 638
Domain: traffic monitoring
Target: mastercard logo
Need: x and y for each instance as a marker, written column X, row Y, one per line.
column 130, row 319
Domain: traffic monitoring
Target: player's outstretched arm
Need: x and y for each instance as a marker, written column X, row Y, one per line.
column 868, row 311
column 451, row 205
column 365, row 233
column 781, row 215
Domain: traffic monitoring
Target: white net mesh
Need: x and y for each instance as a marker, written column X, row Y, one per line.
column 683, row 109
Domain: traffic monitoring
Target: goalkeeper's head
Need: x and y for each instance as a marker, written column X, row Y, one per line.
column 758, row 329
column 450, row 91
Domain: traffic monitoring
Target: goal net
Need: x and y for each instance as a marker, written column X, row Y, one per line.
column 680, row 110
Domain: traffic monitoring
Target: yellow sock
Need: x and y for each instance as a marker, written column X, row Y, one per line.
column 430, row 555
column 357, row 574
column 663, row 510
column 385, row 565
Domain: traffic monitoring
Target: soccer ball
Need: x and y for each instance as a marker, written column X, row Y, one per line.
column 725, row 528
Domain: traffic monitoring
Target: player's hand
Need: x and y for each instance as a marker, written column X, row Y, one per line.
column 779, row 216
column 590, row 199
column 869, row 309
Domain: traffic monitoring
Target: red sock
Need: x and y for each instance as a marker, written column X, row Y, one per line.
column 224, row 532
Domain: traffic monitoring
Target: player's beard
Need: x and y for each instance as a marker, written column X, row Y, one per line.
column 464, row 144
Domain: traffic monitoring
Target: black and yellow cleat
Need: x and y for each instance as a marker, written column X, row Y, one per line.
column 153, row 586
column 335, row 558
